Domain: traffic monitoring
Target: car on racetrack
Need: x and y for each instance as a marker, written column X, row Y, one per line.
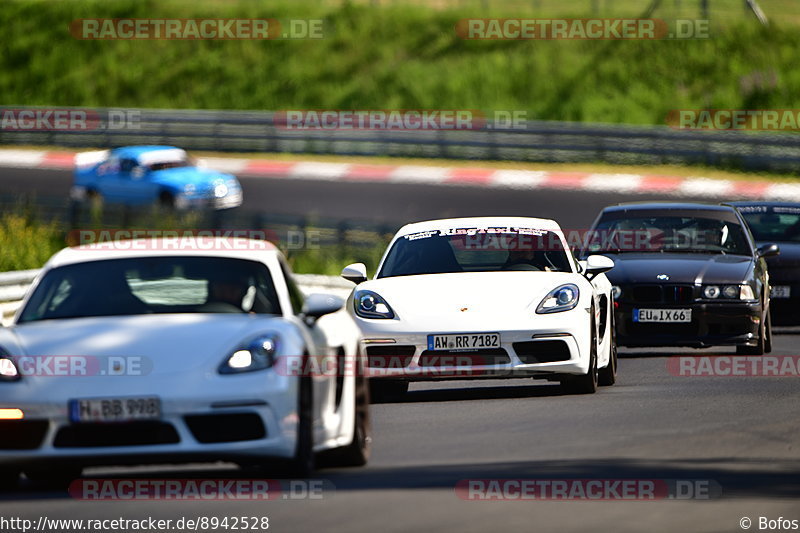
column 493, row 297
column 148, row 354
column 686, row 274
column 142, row 175
column 778, row 222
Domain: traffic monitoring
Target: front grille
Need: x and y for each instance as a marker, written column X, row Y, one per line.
column 22, row 434
column 662, row 328
column 226, row 427
column 542, row 351
column 670, row 294
column 488, row 356
column 126, row 434
column 647, row 293
column 390, row 356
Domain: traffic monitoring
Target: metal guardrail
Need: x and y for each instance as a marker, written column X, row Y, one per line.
column 541, row 141
column 14, row 285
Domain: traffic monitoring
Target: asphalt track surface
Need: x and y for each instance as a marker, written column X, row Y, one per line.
column 740, row 434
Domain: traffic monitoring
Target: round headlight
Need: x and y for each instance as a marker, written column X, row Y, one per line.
column 367, row 302
column 711, row 291
column 616, row 292
column 220, row 190
column 731, row 291
column 565, row 296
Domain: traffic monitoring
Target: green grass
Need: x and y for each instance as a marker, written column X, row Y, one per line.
column 399, row 55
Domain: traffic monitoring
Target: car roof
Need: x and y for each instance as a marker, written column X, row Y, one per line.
column 136, row 151
column 480, row 222
column 749, row 203
column 105, row 249
column 666, row 206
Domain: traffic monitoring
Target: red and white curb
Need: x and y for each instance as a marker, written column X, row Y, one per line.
column 695, row 187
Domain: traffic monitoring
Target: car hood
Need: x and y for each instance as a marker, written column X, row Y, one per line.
column 203, row 179
column 166, row 343
column 681, row 268
column 435, row 296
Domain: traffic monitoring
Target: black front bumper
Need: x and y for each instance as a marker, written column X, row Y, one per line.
column 712, row 324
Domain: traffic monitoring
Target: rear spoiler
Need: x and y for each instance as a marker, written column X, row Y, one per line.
column 89, row 159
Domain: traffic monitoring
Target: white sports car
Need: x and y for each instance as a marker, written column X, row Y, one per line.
column 484, row 297
column 151, row 354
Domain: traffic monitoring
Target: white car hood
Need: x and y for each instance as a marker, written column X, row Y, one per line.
column 170, row 342
column 433, row 297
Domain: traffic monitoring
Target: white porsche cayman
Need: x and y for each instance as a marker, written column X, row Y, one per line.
column 484, row 297
column 152, row 354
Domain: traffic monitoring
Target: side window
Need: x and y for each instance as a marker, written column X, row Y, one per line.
column 295, row 294
column 127, row 165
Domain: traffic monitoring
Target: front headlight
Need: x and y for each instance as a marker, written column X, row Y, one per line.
column 616, row 292
column 729, row 292
column 370, row 305
column 255, row 355
column 561, row 298
column 220, row 190
column 8, row 369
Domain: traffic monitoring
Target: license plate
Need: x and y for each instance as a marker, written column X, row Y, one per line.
column 115, row 409
column 780, row 291
column 464, row 341
column 662, row 315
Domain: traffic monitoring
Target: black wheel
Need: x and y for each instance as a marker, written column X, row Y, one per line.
column 587, row 383
column 53, row 477
column 768, row 333
column 9, row 479
column 608, row 376
column 387, row 390
column 166, row 200
column 302, row 465
column 761, row 346
column 358, row 451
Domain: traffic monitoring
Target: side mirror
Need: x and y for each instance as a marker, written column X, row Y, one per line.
column 768, row 250
column 597, row 264
column 357, row 273
column 317, row 305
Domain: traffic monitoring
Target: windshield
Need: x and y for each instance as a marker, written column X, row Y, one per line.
column 773, row 224
column 169, row 164
column 665, row 233
column 476, row 250
column 138, row 286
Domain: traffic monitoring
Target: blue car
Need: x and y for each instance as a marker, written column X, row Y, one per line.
column 141, row 175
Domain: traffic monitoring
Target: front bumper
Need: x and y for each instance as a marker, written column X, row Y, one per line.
column 732, row 323
column 230, row 422
column 556, row 348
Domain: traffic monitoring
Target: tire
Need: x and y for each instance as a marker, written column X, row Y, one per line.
column 761, row 347
column 387, row 390
column 587, row 383
column 608, row 376
column 9, row 479
column 302, row 464
column 166, row 200
column 356, row 453
column 53, row 477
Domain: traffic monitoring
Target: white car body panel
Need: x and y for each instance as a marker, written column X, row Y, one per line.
column 182, row 354
column 502, row 302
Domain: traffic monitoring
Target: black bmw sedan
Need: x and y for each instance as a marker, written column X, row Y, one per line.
column 778, row 222
column 686, row 274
